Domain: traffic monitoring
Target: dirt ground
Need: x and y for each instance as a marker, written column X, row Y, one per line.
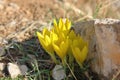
column 18, row 18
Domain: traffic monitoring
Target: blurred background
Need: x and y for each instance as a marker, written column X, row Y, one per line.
column 73, row 9
column 17, row 15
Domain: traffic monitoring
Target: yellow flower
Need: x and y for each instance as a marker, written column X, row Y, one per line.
column 45, row 41
column 61, row 48
column 47, row 38
column 62, row 40
column 62, row 27
column 72, row 35
column 53, row 37
column 80, row 50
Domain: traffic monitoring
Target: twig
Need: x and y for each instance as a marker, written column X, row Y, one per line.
column 25, row 30
column 77, row 10
column 71, row 71
column 114, row 1
column 117, row 74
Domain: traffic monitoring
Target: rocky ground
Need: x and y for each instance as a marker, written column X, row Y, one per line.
column 19, row 19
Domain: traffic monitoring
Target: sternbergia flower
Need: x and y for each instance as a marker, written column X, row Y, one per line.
column 62, row 27
column 80, row 50
column 46, row 39
column 62, row 41
column 72, row 36
column 61, row 48
column 61, row 45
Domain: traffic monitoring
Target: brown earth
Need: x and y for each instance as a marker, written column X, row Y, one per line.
column 16, row 16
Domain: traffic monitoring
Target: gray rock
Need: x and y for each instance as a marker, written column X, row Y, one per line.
column 15, row 70
column 108, row 42
column 58, row 73
column 23, row 69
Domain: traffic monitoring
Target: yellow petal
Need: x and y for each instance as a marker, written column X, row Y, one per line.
column 53, row 36
column 56, row 27
column 40, row 35
column 49, row 49
column 55, row 22
column 48, row 44
column 68, row 24
column 84, row 53
column 47, row 40
column 41, row 39
column 63, row 27
column 63, row 48
column 72, row 35
column 46, row 32
column 43, row 43
column 57, row 50
column 76, row 52
column 62, row 37
column 60, row 24
column 83, row 43
column 75, row 43
column 65, row 32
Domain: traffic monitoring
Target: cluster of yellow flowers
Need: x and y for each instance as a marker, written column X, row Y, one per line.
column 63, row 41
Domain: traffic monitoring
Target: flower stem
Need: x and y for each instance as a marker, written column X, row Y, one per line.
column 71, row 59
column 64, row 62
column 54, row 58
column 80, row 64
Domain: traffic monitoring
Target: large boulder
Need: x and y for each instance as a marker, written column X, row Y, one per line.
column 103, row 36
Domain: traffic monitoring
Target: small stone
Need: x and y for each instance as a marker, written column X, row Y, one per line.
column 1, row 7
column 2, row 66
column 23, row 69
column 14, row 70
column 58, row 73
